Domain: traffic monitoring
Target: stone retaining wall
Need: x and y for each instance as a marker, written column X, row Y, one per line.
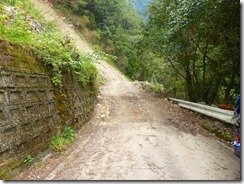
column 32, row 110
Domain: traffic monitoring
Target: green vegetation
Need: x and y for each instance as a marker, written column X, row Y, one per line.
column 30, row 45
column 23, row 25
column 198, row 43
column 68, row 134
column 190, row 48
column 224, row 135
column 38, row 164
column 61, row 140
column 154, row 87
column 4, row 173
column 113, row 25
column 28, row 159
column 102, row 81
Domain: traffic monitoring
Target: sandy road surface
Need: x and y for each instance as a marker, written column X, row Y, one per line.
column 131, row 137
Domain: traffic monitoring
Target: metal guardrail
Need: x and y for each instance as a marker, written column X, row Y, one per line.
column 220, row 114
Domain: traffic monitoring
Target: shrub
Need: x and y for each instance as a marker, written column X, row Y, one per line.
column 60, row 141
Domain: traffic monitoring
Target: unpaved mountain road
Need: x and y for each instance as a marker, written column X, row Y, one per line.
column 135, row 135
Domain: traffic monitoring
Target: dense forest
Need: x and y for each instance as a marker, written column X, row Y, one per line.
column 191, row 48
column 188, row 49
column 198, row 44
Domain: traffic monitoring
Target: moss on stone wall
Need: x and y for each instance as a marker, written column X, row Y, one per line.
column 32, row 108
column 19, row 57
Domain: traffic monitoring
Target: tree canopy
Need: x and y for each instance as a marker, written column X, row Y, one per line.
column 200, row 39
column 191, row 47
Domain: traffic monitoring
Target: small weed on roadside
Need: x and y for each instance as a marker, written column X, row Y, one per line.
column 28, row 159
column 68, row 134
column 61, row 140
column 102, row 81
column 38, row 164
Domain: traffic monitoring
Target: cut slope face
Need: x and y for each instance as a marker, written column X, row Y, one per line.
column 135, row 135
column 50, row 15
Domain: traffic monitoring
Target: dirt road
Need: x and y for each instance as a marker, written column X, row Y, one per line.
column 136, row 135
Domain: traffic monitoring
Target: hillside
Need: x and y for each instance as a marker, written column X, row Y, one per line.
column 47, row 87
column 202, row 65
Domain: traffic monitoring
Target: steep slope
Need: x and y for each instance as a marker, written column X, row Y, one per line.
column 41, row 93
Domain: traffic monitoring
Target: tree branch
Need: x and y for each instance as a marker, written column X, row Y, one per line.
column 177, row 71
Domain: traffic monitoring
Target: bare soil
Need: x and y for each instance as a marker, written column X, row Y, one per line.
column 135, row 135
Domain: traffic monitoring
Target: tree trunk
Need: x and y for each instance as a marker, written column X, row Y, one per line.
column 228, row 89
